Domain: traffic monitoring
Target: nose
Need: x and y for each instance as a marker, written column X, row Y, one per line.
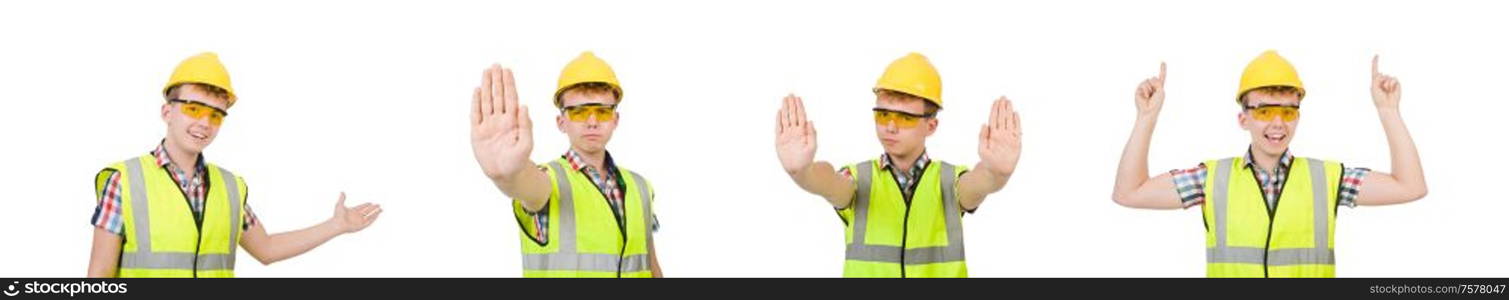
column 204, row 121
column 1277, row 123
column 592, row 121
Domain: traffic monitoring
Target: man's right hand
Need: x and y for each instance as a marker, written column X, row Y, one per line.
column 501, row 130
column 795, row 139
column 1150, row 93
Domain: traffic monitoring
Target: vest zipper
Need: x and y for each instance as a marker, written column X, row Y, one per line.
column 1272, row 212
column 905, row 219
column 623, row 236
column 198, row 218
column 196, row 253
column 907, row 216
column 622, row 246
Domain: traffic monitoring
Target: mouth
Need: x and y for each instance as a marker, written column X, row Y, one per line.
column 199, row 136
column 888, row 141
column 1275, row 137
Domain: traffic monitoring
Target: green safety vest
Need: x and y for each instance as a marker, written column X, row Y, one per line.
column 888, row 237
column 1296, row 239
column 585, row 237
column 162, row 239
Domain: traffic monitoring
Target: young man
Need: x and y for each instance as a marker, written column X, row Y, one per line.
column 902, row 211
column 579, row 215
column 1269, row 213
column 169, row 213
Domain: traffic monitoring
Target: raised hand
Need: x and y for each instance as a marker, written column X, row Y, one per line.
column 1001, row 139
column 502, row 134
column 795, row 139
column 1150, row 93
column 1385, row 88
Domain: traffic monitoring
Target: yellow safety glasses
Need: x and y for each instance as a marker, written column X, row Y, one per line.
column 902, row 119
column 1267, row 112
column 580, row 113
column 200, row 110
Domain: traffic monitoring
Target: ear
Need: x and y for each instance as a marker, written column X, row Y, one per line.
column 932, row 126
column 167, row 108
column 1242, row 119
column 560, row 123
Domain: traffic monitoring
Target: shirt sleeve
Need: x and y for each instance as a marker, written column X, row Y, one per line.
column 1190, row 185
column 1351, row 181
column 536, row 224
column 107, row 210
column 248, row 219
column 846, row 213
column 962, row 170
column 654, row 217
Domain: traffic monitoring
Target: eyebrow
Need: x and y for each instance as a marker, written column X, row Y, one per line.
column 924, row 114
column 1272, row 105
column 207, row 104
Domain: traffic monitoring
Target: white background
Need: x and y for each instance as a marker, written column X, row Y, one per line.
column 372, row 99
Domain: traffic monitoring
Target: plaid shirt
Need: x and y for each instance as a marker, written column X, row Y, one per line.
column 608, row 183
column 108, row 215
column 906, row 180
column 1190, row 183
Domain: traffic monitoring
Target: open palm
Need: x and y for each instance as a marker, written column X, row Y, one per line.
column 1001, row 139
column 795, row 139
column 353, row 219
column 502, row 134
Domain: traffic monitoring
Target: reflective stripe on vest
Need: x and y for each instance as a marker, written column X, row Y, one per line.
column 566, row 258
column 858, row 250
column 1321, row 253
column 145, row 258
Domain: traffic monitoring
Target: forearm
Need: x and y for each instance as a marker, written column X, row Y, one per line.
column 104, row 257
column 975, row 185
column 530, row 186
column 1404, row 159
column 1132, row 172
column 654, row 262
column 293, row 243
column 821, row 179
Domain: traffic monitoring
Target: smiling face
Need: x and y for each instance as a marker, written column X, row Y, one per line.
column 1270, row 136
column 898, row 140
column 590, row 135
column 185, row 132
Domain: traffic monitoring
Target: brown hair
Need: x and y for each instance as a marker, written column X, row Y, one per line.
column 1271, row 90
column 588, row 88
column 215, row 91
column 930, row 107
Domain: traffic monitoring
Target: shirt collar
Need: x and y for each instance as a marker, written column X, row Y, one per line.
column 161, row 153
column 580, row 163
column 920, row 164
column 1284, row 161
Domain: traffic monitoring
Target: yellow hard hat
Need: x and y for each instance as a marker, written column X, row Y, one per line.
column 203, row 68
column 1269, row 69
column 584, row 69
column 914, row 75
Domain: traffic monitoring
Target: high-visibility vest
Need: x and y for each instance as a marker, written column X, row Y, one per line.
column 585, row 239
column 888, row 237
column 1243, row 238
column 162, row 239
